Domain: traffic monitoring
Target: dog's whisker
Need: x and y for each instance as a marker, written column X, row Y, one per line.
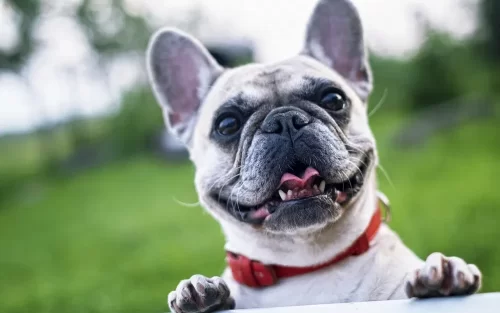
column 379, row 104
column 238, row 197
column 346, row 177
column 218, row 180
column 235, row 204
column 355, row 146
column 189, row 205
column 226, row 176
column 357, row 169
column 361, row 162
column 230, row 204
column 389, row 180
column 230, row 198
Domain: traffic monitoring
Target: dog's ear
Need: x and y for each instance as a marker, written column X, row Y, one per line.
column 335, row 38
column 181, row 71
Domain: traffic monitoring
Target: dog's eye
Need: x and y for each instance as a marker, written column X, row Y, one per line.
column 333, row 100
column 228, row 125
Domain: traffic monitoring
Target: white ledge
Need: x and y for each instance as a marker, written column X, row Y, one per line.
column 479, row 303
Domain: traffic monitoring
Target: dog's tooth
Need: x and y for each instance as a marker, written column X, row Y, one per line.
column 315, row 190
column 322, row 186
column 282, row 195
column 289, row 193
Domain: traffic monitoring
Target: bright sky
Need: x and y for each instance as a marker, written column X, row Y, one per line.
column 276, row 27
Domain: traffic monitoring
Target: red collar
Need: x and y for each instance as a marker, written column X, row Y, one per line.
column 256, row 274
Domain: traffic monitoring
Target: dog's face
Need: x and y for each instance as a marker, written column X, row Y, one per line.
column 283, row 147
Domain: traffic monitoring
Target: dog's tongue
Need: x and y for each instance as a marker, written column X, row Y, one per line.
column 292, row 181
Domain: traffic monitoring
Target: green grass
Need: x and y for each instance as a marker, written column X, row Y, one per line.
column 111, row 240
column 116, row 239
column 445, row 196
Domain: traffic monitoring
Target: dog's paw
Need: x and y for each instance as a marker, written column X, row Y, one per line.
column 442, row 276
column 200, row 294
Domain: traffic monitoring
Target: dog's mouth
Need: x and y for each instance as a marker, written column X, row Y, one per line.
column 301, row 184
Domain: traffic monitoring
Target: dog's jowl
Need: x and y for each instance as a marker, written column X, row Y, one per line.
column 285, row 162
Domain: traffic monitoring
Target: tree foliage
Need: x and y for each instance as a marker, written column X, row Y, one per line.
column 490, row 27
column 28, row 11
column 118, row 31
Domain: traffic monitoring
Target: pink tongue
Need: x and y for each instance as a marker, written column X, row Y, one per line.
column 291, row 181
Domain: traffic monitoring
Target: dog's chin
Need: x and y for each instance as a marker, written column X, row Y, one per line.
column 308, row 214
column 313, row 206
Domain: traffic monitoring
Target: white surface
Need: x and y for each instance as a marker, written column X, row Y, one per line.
column 480, row 303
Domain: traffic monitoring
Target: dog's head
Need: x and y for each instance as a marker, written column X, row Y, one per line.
column 283, row 147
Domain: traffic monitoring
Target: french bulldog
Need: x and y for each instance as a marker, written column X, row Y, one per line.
column 285, row 162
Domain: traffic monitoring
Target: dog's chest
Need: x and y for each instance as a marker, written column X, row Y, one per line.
column 375, row 275
column 324, row 286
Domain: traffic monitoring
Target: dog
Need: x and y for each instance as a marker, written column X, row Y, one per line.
column 285, row 162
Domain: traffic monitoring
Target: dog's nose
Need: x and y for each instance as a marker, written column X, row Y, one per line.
column 285, row 121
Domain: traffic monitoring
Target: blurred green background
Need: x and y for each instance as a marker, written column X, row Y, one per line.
column 97, row 213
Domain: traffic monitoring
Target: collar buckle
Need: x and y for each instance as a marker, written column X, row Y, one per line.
column 384, row 204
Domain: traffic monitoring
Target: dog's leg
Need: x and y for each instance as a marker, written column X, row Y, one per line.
column 442, row 276
column 200, row 294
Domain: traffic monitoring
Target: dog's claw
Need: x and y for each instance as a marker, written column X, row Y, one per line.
column 443, row 276
column 200, row 294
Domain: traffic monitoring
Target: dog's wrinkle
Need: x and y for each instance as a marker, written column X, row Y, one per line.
column 298, row 136
column 243, row 146
column 354, row 290
column 313, row 86
column 249, row 132
column 275, row 89
column 339, row 132
column 397, row 288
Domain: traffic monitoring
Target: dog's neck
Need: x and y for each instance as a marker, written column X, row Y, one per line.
column 306, row 249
